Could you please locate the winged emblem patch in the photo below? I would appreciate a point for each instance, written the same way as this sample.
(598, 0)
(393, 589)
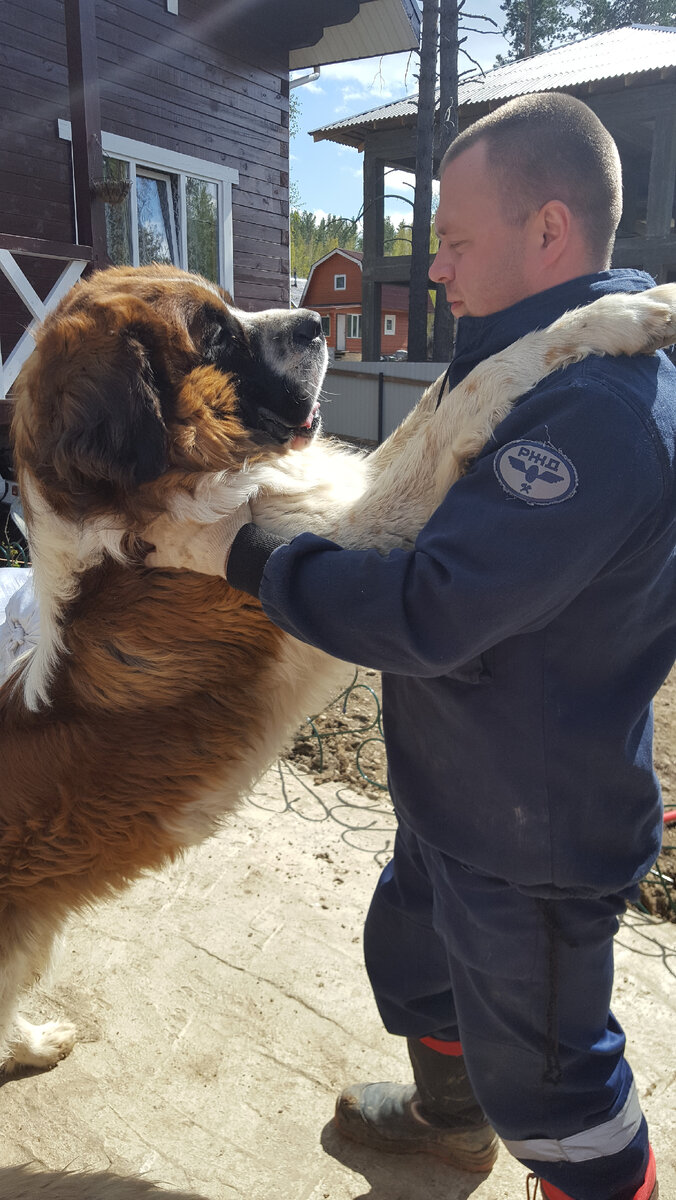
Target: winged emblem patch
(535, 472)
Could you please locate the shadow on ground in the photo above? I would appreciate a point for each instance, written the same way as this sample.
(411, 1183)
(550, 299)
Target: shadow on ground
(398, 1177)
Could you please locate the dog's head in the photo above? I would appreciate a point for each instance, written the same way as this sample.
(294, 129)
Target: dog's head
(143, 373)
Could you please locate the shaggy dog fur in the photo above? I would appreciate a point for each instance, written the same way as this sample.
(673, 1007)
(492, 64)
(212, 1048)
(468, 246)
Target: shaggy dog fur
(156, 698)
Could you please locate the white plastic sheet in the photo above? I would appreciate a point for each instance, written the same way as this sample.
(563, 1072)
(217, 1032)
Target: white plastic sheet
(19, 618)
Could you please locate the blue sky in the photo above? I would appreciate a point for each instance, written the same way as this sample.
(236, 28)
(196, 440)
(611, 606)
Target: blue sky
(329, 176)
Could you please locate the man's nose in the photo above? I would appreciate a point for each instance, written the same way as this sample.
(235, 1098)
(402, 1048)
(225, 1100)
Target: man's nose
(440, 270)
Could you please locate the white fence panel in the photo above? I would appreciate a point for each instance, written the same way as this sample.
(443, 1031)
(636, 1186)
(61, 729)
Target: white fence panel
(366, 401)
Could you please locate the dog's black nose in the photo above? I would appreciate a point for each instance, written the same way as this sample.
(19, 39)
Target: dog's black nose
(308, 326)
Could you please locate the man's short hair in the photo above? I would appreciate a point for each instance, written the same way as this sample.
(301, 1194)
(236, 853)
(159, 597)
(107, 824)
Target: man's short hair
(550, 146)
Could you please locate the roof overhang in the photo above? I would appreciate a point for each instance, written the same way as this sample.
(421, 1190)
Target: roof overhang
(633, 56)
(356, 29)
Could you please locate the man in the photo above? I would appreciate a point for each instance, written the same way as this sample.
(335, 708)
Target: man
(521, 641)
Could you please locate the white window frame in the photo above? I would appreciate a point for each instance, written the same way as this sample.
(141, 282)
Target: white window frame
(339, 287)
(390, 326)
(351, 318)
(150, 158)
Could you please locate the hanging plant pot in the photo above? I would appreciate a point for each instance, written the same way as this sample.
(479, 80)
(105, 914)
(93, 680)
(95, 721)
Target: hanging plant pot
(112, 191)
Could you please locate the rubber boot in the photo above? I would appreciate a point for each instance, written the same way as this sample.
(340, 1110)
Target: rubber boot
(437, 1115)
(649, 1189)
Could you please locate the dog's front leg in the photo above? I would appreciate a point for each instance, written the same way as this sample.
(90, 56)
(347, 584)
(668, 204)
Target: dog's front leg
(620, 324)
(411, 475)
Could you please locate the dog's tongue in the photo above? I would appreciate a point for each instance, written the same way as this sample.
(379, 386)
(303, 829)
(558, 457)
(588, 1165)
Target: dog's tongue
(315, 409)
(301, 441)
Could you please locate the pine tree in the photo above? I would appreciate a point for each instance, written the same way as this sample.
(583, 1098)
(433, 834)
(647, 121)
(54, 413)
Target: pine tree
(310, 239)
(595, 16)
(532, 26)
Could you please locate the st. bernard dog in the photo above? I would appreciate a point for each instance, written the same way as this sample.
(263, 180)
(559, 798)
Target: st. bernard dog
(155, 698)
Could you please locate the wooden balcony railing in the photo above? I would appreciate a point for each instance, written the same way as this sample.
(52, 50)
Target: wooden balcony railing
(75, 259)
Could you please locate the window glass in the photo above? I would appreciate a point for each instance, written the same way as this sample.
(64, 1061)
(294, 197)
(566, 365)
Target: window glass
(178, 217)
(326, 326)
(202, 227)
(156, 231)
(118, 211)
(339, 283)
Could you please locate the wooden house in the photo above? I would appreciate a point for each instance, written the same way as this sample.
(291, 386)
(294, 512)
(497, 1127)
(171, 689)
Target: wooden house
(140, 130)
(628, 78)
(334, 290)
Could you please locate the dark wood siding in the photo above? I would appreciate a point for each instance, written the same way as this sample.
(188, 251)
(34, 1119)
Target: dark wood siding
(36, 191)
(168, 80)
(171, 81)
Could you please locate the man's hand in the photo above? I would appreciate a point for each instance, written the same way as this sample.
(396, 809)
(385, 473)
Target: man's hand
(193, 547)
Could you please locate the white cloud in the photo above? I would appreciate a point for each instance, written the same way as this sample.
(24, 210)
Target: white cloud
(403, 183)
(400, 181)
(313, 87)
(351, 97)
(320, 215)
(397, 217)
(392, 74)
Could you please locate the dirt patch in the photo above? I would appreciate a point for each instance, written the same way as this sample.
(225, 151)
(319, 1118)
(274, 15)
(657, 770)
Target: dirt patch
(345, 744)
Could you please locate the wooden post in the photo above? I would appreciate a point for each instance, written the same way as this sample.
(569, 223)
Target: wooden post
(373, 243)
(449, 45)
(661, 181)
(424, 164)
(85, 117)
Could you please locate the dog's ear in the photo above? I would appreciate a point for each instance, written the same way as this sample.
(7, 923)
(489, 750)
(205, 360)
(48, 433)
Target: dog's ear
(91, 400)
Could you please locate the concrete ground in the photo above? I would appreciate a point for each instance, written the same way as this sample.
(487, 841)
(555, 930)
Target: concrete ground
(223, 1003)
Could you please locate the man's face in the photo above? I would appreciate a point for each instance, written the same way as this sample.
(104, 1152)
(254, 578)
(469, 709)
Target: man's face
(482, 261)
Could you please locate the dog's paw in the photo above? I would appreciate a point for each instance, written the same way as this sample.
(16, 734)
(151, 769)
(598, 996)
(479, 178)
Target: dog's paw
(634, 324)
(659, 322)
(655, 324)
(41, 1046)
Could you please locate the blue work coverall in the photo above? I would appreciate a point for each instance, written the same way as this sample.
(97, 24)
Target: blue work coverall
(521, 643)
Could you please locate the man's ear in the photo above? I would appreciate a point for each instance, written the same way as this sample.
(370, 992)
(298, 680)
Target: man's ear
(90, 403)
(555, 220)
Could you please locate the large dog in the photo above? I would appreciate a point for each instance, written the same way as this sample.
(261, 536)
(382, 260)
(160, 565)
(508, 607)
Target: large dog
(155, 698)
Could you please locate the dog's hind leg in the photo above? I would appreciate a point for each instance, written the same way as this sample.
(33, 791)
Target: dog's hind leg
(24, 955)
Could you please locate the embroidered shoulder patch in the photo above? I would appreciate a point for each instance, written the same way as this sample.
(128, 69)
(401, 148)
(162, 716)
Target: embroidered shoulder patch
(535, 472)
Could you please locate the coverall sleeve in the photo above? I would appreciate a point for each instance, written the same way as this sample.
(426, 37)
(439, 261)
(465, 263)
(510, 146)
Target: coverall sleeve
(488, 565)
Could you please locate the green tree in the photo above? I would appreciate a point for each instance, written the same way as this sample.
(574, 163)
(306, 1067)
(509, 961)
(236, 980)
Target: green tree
(595, 16)
(295, 200)
(532, 26)
(397, 239)
(311, 239)
(202, 227)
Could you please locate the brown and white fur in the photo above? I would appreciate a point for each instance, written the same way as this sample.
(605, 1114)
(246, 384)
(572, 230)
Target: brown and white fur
(155, 697)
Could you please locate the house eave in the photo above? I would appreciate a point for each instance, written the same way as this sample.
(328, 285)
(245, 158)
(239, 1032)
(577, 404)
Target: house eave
(377, 27)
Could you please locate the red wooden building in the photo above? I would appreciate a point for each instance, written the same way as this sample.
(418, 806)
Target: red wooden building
(334, 290)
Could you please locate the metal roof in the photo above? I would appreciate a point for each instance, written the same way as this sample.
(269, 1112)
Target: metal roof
(621, 53)
(379, 27)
